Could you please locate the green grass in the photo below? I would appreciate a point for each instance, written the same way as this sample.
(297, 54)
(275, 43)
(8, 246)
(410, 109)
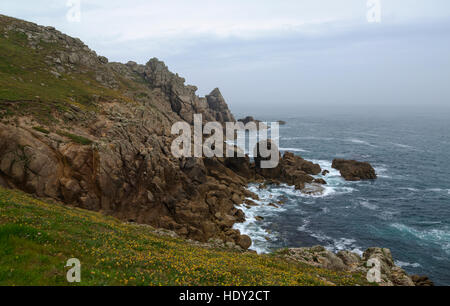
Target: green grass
(41, 129)
(38, 237)
(27, 85)
(75, 138)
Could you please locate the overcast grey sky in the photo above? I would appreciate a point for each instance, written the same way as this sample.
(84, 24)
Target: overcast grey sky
(287, 56)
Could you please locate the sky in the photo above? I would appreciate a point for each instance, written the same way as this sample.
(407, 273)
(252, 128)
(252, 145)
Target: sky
(276, 57)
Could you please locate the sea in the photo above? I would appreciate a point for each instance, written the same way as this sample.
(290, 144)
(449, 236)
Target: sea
(407, 209)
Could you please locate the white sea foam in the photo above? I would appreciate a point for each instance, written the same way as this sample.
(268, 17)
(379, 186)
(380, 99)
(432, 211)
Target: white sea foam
(402, 264)
(253, 228)
(409, 189)
(381, 171)
(328, 191)
(402, 146)
(326, 165)
(438, 190)
(387, 215)
(435, 190)
(359, 141)
(332, 244)
(303, 227)
(337, 244)
(293, 149)
(438, 236)
(368, 205)
(307, 138)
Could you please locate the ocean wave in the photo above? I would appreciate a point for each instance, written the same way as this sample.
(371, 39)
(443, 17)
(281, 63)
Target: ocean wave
(410, 189)
(434, 190)
(326, 165)
(437, 236)
(381, 171)
(303, 227)
(368, 205)
(338, 244)
(332, 244)
(402, 264)
(328, 191)
(359, 141)
(438, 190)
(307, 138)
(387, 215)
(293, 149)
(403, 146)
(254, 228)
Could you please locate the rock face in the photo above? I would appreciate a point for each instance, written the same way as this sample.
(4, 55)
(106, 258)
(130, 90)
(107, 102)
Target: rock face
(182, 98)
(111, 152)
(318, 256)
(292, 170)
(353, 170)
(113, 155)
(422, 281)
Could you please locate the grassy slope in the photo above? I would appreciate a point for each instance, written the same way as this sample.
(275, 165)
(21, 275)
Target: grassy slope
(25, 79)
(37, 238)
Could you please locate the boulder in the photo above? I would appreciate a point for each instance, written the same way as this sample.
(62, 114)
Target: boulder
(244, 242)
(422, 281)
(320, 181)
(353, 170)
(313, 189)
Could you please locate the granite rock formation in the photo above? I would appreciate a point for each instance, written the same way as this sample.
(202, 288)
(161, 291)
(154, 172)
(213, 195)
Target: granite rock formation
(108, 148)
(390, 274)
(353, 170)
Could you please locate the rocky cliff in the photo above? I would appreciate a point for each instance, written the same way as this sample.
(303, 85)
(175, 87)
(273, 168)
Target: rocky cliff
(76, 128)
(96, 135)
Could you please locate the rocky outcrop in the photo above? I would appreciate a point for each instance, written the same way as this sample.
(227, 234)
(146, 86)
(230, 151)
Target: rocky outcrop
(112, 153)
(318, 256)
(249, 119)
(422, 281)
(353, 170)
(182, 98)
(292, 170)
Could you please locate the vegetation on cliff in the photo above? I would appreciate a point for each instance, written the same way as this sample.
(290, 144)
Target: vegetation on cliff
(37, 238)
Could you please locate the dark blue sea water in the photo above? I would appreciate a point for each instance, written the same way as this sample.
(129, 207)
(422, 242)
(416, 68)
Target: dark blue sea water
(407, 209)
